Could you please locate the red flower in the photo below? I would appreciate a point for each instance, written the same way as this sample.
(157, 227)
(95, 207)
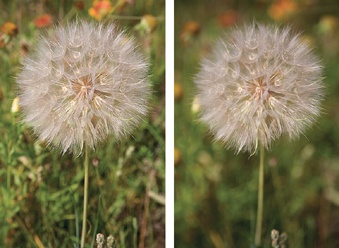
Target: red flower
(43, 21)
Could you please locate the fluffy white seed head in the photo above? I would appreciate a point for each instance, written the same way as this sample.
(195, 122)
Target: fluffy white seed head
(81, 83)
(259, 83)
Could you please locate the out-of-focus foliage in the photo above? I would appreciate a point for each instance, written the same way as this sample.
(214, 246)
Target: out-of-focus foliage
(216, 190)
(40, 191)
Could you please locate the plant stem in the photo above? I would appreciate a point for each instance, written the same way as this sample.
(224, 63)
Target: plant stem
(8, 177)
(84, 216)
(260, 198)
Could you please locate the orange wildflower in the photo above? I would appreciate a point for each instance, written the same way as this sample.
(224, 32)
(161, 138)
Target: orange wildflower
(9, 28)
(189, 30)
(7, 31)
(100, 9)
(43, 21)
(228, 18)
(280, 9)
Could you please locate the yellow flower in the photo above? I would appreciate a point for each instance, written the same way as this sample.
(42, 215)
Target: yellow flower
(15, 105)
(9, 28)
(177, 156)
(178, 92)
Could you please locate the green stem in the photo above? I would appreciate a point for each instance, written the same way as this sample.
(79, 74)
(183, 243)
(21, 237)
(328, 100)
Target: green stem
(11, 147)
(121, 17)
(84, 216)
(8, 177)
(260, 198)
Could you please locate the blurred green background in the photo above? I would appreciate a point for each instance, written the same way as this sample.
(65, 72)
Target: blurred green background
(216, 190)
(41, 191)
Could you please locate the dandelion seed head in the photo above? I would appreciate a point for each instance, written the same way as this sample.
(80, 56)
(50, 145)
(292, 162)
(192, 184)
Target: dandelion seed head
(259, 83)
(83, 82)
